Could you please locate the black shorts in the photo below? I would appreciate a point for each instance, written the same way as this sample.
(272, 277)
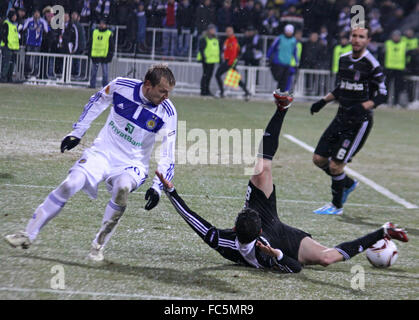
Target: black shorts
(279, 235)
(341, 141)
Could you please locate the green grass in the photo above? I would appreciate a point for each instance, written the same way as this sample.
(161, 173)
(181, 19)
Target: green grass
(155, 254)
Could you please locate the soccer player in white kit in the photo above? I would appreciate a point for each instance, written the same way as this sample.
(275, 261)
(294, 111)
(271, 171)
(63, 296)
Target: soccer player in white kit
(119, 155)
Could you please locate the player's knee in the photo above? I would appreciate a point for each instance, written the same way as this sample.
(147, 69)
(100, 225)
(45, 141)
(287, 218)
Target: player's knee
(121, 194)
(319, 160)
(70, 186)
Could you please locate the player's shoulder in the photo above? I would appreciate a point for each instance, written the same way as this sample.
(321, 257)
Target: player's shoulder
(369, 57)
(126, 82)
(346, 55)
(169, 108)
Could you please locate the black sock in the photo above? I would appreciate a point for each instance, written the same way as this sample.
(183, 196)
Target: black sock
(338, 185)
(352, 248)
(348, 182)
(269, 143)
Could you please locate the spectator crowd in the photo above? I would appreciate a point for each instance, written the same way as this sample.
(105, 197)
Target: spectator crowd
(320, 26)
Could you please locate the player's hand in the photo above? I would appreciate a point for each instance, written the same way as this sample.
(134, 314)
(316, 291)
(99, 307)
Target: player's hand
(166, 183)
(267, 249)
(283, 100)
(69, 142)
(153, 198)
(317, 106)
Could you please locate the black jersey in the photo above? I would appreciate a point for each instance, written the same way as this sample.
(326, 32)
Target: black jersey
(359, 80)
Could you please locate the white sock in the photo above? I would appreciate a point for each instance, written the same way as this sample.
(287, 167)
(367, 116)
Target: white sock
(51, 206)
(113, 213)
(54, 202)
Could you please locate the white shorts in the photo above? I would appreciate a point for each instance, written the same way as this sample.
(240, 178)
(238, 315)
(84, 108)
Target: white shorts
(98, 167)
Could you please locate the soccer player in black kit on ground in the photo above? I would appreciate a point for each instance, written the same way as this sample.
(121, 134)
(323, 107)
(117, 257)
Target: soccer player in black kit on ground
(259, 239)
(360, 89)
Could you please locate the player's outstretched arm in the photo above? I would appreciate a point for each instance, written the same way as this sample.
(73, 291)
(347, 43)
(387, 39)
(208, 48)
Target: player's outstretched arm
(202, 227)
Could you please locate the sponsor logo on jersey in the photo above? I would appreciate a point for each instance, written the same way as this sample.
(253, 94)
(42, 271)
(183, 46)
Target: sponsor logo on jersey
(124, 136)
(129, 128)
(353, 86)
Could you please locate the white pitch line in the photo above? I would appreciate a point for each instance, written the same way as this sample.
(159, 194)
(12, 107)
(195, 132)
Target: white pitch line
(380, 189)
(218, 197)
(89, 293)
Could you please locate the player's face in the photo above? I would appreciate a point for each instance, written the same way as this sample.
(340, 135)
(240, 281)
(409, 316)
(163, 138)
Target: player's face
(159, 92)
(359, 39)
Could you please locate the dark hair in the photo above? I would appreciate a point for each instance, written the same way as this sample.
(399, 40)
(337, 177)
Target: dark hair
(366, 27)
(248, 225)
(158, 71)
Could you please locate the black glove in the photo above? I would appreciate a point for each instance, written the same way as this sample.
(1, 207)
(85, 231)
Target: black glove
(316, 107)
(69, 142)
(153, 198)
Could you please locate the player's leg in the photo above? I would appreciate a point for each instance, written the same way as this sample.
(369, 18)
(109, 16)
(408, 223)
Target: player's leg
(262, 177)
(122, 185)
(223, 67)
(312, 252)
(50, 208)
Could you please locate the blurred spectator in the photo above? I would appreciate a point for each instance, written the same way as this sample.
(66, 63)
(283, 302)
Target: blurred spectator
(341, 48)
(185, 26)
(231, 51)
(101, 48)
(257, 16)
(395, 64)
(50, 45)
(271, 23)
(410, 39)
(155, 13)
(344, 20)
(280, 54)
(251, 47)
(141, 28)
(313, 52)
(20, 22)
(295, 62)
(225, 15)
(243, 16)
(85, 8)
(205, 15)
(393, 22)
(375, 26)
(292, 17)
(81, 43)
(103, 10)
(81, 40)
(169, 24)
(324, 36)
(208, 55)
(412, 70)
(68, 41)
(35, 27)
(126, 15)
(9, 39)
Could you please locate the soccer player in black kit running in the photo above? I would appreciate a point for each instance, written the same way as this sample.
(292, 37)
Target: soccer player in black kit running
(259, 239)
(360, 89)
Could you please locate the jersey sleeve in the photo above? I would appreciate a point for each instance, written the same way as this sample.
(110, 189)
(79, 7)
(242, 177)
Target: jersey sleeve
(378, 86)
(166, 164)
(96, 105)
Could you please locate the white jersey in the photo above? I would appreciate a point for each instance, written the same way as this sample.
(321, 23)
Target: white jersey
(132, 125)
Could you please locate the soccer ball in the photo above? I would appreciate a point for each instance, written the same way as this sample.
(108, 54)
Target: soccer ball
(382, 254)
